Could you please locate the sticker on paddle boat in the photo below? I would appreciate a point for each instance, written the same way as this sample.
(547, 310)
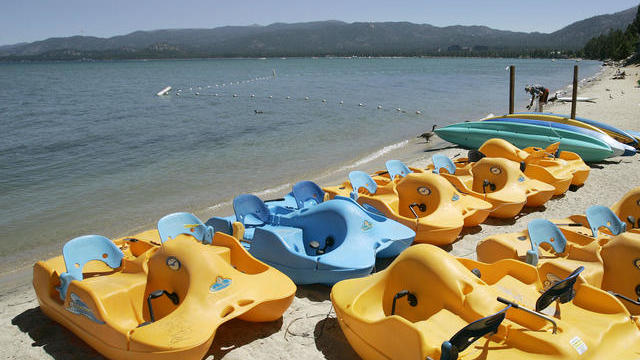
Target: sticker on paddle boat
(551, 280)
(579, 345)
(221, 283)
(78, 307)
(173, 263)
(455, 197)
(366, 225)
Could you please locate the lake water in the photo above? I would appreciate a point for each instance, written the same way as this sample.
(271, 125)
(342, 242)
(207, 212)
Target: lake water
(87, 147)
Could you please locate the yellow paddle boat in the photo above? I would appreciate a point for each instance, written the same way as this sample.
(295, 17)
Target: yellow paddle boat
(161, 294)
(558, 168)
(628, 209)
(424, 202)
(430, 305)
(611, 262)
(495, 180)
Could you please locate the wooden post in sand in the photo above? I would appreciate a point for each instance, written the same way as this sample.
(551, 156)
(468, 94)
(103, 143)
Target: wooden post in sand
(512, 85)
(574, 98)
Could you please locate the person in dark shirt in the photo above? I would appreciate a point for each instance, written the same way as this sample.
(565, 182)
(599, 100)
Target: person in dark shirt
(537, 92)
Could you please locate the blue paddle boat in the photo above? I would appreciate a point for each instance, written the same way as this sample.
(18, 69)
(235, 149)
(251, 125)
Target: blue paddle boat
(324, 243)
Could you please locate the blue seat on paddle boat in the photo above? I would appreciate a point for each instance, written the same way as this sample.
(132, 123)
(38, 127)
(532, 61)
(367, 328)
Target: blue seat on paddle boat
(324, 243)
(79, 251)
(397, 168)
(360, 179)
(172, 225)
(443, 162)
(599, 216)
(544, 231)
(304, 193)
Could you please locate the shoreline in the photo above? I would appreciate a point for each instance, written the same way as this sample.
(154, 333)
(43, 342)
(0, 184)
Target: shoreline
(309, 327)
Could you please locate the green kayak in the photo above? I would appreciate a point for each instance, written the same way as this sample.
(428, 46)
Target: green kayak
(474, 134)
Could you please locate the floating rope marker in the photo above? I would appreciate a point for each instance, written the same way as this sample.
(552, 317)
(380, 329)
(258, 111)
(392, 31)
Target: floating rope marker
(164, 91)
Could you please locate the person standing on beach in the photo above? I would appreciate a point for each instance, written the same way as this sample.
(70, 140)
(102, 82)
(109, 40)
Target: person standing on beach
(537, 92)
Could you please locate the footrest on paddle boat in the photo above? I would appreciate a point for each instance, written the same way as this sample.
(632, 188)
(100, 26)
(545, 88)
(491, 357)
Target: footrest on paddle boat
(498, 181)
(416, 308)
(161, 299)
(424, 202)
(324, 243)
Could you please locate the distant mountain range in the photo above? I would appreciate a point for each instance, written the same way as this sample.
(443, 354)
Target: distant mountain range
(317, 39)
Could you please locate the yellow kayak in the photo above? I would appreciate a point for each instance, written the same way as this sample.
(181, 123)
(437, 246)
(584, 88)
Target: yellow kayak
(160, 294)
(430, 305)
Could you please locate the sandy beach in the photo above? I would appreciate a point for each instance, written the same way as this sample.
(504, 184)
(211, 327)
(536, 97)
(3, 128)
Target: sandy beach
(309, 328)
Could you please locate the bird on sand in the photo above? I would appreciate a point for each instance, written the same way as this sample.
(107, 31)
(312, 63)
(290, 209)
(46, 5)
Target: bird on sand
(428, 134)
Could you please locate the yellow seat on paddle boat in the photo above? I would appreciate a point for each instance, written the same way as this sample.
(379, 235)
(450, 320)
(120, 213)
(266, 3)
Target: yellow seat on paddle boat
(628, 209)
(424, 202)
(430, 305)
(558, 168)
(497, 181)
(161, 294)
(556, 251)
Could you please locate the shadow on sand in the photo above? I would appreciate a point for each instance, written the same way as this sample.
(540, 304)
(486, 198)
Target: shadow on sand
(55, 339)
(331, 341)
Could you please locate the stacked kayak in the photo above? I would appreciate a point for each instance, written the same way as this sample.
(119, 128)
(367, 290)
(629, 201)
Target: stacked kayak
(474, 134)
(558, 168)
(622, 136)
(619, 149)
(428, 304)
(322, 243)
(424, 202)
(498, 181)
(161, 294)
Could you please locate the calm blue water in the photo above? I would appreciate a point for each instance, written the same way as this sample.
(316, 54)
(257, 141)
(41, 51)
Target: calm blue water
(89, 147)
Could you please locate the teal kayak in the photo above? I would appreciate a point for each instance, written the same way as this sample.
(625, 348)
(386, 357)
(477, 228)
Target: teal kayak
(474, 134)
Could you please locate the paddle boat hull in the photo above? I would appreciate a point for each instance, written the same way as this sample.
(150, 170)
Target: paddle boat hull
(116, 303)
(410, 309)
(323, 243)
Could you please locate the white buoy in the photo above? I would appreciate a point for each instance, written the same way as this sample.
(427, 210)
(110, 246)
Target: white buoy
(235, 95)
(288, 97)
(360, 104)
(164, 91)
(216, 94)
(306, 98)
(197, 93)
(379, 106)
(270, 96)
(398, 109)
(324, 100)
(341, 102)
(418, 112)
(252, 95)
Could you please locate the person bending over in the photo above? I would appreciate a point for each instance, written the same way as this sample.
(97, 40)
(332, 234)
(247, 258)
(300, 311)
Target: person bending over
(537, 92)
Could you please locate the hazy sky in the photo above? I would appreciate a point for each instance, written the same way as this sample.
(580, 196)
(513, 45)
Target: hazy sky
(31, 20)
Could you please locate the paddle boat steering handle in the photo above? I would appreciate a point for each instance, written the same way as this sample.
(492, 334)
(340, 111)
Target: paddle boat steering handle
(486, 183)
(635, 302)
(516, 306)
(156, 294)
(411, 298)
(421, 207)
